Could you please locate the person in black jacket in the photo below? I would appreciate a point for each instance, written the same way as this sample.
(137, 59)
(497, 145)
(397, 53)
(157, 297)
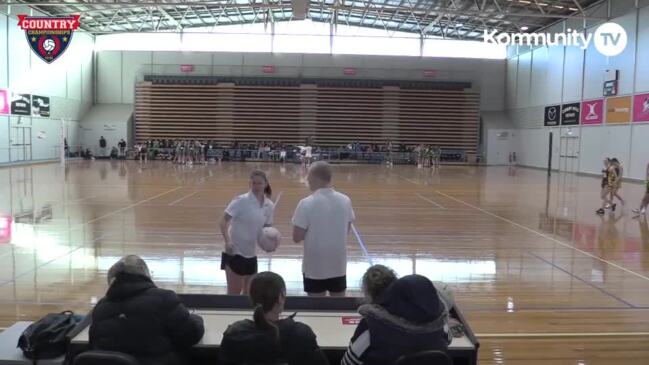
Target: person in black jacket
(137, 318)
(408, 317)
(268, 339)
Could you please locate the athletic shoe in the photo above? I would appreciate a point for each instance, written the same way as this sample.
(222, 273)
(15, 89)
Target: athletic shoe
(600, 211)
(636, 210)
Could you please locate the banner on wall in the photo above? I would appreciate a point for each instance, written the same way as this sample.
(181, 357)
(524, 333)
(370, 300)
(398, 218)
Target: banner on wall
(21, 104)
(618, 110)
(552, 115)
(641, 108)
(570, 114)
(4, 101)
(592, 112)
(40, 106)
(48, 37)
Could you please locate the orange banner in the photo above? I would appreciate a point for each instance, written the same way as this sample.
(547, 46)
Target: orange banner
(618, 110)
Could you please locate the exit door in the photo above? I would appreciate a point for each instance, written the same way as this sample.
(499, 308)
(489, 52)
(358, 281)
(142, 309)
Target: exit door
(20, 144)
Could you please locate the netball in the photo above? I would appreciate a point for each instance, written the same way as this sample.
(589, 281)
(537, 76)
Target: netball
(269, 239)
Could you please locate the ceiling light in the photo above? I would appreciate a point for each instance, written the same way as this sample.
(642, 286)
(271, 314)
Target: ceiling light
(525, 27)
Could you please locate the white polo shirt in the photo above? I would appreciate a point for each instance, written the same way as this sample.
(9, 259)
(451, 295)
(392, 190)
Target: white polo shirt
(325, 215)
(248, 218)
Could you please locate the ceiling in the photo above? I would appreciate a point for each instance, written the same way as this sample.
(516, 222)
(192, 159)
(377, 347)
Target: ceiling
(457, 19)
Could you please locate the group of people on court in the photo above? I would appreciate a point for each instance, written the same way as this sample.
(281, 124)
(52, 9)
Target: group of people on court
(612, 174)
(400, 316)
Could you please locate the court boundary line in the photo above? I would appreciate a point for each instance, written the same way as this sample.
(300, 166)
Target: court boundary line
(544, 236)
(128, 207)
(604, 291)
(430, 201)
(410, 181)
(181, 199)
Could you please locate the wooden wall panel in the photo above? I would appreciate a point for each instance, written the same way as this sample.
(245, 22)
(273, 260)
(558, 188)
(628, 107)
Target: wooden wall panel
(333, 116)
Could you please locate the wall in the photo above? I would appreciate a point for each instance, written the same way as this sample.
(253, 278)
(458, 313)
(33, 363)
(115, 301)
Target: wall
(548, 75)
(107, 120)
(67, 81)
(118, 71)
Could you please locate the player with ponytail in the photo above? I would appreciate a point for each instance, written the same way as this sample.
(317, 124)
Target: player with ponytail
(267, 339)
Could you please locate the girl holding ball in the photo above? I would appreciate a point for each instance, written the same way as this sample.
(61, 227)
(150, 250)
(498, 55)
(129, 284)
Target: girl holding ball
(242, 224)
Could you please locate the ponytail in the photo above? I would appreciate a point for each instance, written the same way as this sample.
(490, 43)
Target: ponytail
(268, 191)
(263, 323)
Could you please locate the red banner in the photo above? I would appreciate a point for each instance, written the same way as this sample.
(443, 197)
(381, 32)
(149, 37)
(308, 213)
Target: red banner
(430, 73)
(349, 71)
(48, 23)
(186, 68)
(4, 101)
(351, 320)
(269, 69)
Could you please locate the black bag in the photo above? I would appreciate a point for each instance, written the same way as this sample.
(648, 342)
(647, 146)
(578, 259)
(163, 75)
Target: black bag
(46, 338)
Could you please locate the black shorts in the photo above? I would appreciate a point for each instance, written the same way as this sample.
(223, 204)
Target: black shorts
(332, 285)
(238, 264)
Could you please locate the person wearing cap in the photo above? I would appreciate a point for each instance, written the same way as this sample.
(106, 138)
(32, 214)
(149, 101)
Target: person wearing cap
(139, 319)
(408, 317)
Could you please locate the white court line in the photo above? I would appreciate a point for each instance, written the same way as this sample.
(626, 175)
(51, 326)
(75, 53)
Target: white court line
(183, 198)
(567, 334)
(545, 236)
(82, 199)
(130, 206)
(430, 201)
(408, 180)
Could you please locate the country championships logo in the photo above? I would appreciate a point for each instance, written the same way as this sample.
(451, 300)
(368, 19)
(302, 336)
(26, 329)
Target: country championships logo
(610, 39)
(48, 37)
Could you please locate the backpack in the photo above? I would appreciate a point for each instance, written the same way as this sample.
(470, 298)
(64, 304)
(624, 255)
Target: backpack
(46, 338)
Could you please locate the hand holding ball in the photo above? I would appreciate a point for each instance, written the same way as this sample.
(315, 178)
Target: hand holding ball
(269, 239)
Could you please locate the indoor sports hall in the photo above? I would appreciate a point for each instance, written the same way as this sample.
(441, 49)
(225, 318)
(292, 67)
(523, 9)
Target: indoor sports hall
(488, 159)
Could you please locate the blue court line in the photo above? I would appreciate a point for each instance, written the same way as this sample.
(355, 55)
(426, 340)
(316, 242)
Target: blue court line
(583, 281)
(360, 242)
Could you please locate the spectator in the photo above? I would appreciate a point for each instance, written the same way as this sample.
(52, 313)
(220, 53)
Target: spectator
(102, 145)
(267, 339)
(408, 317)
(376, 280)
(137, 318)
(122, 147)
(322, 220)
(113, 152)
(242, 221)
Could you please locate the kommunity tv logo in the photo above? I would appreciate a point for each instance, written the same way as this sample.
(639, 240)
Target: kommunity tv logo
(610, 39)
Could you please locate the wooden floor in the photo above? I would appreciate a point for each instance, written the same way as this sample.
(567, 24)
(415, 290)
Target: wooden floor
(542, 279)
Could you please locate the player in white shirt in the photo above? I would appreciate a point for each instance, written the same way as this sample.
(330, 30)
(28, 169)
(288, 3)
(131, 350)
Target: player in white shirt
(322, 220)
(241, 226)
